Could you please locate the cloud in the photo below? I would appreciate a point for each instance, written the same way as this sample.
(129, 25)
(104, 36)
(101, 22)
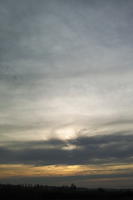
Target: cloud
(58, 54)
(66, 74)
(87, 150)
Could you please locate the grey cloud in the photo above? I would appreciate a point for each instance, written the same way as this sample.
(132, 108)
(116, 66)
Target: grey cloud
(99, 149)
(85, 181)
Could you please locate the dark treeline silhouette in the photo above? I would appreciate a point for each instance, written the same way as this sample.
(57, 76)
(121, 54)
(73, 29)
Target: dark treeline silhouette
(24, 192)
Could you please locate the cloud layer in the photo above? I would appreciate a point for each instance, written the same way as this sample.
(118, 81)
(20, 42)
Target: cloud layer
(66, 87)
(84, 150)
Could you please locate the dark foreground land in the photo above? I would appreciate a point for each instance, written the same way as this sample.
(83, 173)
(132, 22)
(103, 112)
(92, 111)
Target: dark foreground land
(69, 193)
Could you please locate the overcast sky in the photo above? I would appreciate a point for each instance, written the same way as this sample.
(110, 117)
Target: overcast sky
(66, 92)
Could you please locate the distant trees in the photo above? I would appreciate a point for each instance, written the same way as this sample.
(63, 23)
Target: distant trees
(73, 186)
(45, 192)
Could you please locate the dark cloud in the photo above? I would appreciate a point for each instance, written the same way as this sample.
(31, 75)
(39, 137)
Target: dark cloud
(88, 150)
(95, 181)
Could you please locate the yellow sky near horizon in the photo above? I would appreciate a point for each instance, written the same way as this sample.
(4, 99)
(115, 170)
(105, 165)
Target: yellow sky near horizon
(23, 170)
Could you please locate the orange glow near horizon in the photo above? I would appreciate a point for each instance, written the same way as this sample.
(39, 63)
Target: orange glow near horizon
(11, 170)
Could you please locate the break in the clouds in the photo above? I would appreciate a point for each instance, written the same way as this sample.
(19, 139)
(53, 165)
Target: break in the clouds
(66, 72)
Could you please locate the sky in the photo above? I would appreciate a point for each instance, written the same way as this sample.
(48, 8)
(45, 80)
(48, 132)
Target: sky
(66, 92)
